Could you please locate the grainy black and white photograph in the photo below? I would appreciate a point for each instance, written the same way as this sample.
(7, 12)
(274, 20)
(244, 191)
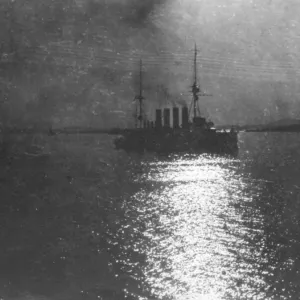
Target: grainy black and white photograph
(149, 150)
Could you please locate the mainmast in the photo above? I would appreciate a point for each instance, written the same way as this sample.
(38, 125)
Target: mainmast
(196, 88)
(140, 98)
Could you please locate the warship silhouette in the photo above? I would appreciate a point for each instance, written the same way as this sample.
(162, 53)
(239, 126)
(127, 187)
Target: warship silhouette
(195, 135)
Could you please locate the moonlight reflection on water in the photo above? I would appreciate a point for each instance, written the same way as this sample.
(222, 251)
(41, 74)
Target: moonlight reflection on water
(196, 238)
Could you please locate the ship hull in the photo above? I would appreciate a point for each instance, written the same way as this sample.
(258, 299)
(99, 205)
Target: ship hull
(179, 141)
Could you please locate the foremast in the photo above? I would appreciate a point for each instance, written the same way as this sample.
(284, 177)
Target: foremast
(195, 87)
(139, 101)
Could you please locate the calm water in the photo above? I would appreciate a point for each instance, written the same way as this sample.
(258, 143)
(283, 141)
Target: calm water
(179, 228)
(217, 228)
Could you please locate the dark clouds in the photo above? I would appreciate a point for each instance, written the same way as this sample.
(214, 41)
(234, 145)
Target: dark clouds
(135, 13)
(138, 13)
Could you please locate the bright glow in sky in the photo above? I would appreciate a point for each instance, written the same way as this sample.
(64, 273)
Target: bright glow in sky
(248, 53)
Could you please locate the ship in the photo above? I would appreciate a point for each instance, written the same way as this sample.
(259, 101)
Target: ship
(195, 134)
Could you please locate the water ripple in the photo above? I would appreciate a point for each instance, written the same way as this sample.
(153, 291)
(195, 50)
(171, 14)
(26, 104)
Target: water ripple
(198, 246)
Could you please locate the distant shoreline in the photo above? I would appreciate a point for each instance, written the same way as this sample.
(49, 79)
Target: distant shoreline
(119, 132)
(284, 125)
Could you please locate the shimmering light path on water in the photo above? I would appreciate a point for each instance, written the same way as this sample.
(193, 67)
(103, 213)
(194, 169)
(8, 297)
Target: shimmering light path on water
(198, 244)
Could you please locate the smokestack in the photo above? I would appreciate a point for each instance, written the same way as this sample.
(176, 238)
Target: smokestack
(158, 123)
(166, 117)
(175, 117)
(185, 117)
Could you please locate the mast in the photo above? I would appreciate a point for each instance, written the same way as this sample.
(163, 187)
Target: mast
(136, 114)
(195, 65)
(140, 98)
(195, 88)
(140, 95)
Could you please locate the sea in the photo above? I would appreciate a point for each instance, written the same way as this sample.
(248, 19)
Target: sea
(185, 228)
(219, 228)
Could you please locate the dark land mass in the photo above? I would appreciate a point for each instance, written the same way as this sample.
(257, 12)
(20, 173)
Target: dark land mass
(283, 125)
(279, 126)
